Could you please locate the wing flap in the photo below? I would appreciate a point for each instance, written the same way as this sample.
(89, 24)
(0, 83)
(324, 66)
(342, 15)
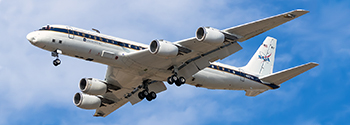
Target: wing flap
(253, 93)
(282, 76)
(106, 110)
(156, 86)
(254, 28)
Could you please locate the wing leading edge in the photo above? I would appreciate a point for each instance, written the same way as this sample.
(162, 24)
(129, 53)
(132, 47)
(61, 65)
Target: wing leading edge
(255, 28)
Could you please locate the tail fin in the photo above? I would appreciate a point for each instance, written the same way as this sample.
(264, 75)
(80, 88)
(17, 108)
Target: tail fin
(263, 60)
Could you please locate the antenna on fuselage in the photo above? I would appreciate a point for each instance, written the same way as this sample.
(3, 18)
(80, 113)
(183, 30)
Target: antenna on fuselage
(96, 30)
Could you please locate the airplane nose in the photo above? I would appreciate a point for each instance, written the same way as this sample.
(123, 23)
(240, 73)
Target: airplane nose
(31, 37)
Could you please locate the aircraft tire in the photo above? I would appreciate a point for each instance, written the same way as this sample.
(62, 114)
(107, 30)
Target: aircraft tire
(170, 80)
(56, 62)
(153, 95)
(182, 80)
(178, 83)
(141, 96)
(145, 93)
(174, 78)
(149, 98)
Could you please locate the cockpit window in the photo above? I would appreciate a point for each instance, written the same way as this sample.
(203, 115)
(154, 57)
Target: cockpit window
(46, 28)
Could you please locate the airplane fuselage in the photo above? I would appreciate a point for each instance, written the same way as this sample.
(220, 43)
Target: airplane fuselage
(111, 51)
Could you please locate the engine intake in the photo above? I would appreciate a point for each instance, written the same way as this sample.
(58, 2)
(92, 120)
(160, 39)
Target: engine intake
(85, 101)
(92, 86)
(163, 48)
(214, 36)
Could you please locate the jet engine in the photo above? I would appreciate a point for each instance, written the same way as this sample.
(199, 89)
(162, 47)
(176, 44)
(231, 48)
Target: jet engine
(163, 48)
(213, 36)
(85, 101)
(92, 86)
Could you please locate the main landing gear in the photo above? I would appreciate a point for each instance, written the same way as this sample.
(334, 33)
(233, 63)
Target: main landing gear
(177, 80)
(55, 53)
(145, 93)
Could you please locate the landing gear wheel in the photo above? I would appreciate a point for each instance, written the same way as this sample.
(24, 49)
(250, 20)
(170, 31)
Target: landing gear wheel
(170, 81)
(178, 83)
(149, 98)
(145, 93)
(141, 96)
(174, 78)
(182, 80)
(153, 95)
(56, 62)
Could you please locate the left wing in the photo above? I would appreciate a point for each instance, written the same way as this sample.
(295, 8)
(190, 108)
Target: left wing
(127, 82)
(195, 55)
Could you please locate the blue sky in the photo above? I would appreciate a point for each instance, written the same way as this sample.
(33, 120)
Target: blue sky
(33, 91)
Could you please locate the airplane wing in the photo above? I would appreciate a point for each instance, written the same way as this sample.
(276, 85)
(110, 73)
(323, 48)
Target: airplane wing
(127, 82)
(255, 28)
(198, 55)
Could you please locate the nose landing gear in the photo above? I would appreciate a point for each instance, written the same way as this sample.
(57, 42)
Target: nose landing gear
(56, 62)
(55, 53)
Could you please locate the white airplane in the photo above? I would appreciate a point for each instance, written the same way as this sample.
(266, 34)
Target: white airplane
(137, 71)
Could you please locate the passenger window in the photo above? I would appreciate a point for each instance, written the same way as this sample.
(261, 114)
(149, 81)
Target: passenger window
(104, 40)
(120, 44)
(53, 40)
(126, 45)
(76, 33)
(60, 41)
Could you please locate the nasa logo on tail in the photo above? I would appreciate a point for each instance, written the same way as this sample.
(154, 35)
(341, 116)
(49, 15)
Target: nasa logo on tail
(265, 58)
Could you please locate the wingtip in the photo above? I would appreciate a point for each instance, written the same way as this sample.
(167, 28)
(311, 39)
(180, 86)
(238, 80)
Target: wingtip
(314, 63)
(302, 10)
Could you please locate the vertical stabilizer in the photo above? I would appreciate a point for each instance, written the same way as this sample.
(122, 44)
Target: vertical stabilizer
(262, 61)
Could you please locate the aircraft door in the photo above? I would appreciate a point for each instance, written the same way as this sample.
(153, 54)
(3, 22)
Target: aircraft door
(70, 32)
(241, 72)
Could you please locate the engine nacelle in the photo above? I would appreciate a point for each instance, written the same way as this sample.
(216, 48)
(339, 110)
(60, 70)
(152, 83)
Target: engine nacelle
(163, 48)
(85, 101)
(213, 36)
(92, 86)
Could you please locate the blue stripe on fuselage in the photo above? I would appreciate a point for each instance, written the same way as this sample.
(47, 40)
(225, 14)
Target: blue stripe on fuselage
(97, 38)
(242, 74)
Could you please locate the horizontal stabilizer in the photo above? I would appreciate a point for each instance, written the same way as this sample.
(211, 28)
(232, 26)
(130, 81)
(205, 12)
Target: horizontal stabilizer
(282, 76)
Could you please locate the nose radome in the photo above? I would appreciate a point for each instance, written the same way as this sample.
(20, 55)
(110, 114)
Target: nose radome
(31, 37)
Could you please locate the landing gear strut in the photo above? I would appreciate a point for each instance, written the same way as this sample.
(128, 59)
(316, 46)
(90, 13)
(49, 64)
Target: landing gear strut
(55, 53)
